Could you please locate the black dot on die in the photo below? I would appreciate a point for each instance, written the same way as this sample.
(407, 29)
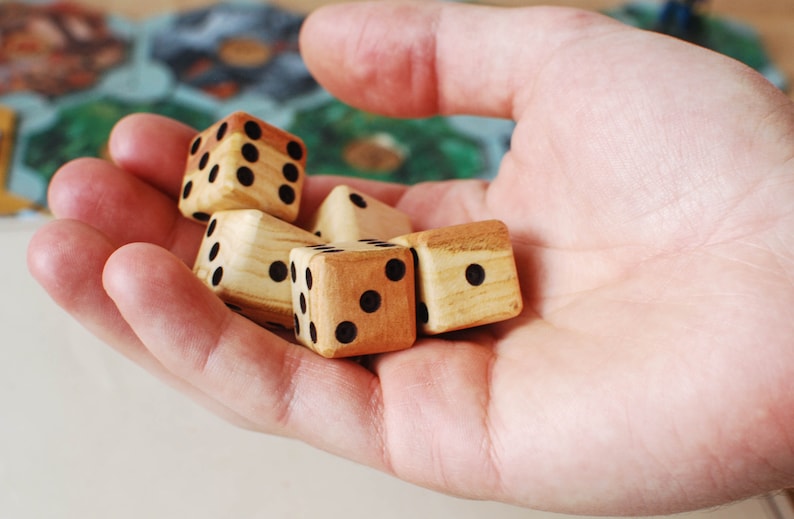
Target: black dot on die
(250, 153)
(234, 307)
(290, 172)
(313, 332)
(204, 160)
(278, 271)
(187, 189)
(302, 302)
(369, 301)
(309, 279)
(213, 173)
(475, 274)
(211, 227)
(318, 233)
(292, 272)
(196, 145)
(422, 314)
(295, 150)
(286, 194)
(217, 276)
(245, 176)
(346, 332)
(216, 247)
(253, 130)
(395, 269)
(358, 200)
(222, 131)
(297, 324)
(201, 217)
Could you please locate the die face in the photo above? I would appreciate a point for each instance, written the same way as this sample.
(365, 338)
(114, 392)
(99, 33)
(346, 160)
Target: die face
(241, 163)
(466, 276)
(353, 298)
(244, 259)
(347, 215)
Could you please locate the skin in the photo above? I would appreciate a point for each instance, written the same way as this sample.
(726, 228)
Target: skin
(649, 193)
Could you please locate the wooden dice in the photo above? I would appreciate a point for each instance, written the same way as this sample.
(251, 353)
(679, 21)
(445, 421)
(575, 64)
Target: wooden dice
(356, 280)
(244, 259)
(466, 276)
(347, 215)
(243, 163)
(353, 298)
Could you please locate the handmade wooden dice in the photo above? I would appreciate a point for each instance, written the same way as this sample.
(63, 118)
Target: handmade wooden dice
(466, 276)
(347, 215)
(243, 163)
(244, 259)
(353, 298)
(367, 291)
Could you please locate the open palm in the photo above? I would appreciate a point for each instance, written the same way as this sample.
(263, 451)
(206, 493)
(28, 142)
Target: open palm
(648, 191)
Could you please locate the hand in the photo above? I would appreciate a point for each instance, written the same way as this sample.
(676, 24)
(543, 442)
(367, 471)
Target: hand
(649, 194)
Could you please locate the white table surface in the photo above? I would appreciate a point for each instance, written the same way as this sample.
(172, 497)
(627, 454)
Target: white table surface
(86, 434)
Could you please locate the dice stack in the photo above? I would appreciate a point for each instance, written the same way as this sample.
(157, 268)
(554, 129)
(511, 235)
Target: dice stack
(356, 280)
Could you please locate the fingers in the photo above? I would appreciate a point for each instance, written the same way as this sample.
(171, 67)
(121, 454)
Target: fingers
(121, 206)
(283, 388)
(419, 59)
(67, 257)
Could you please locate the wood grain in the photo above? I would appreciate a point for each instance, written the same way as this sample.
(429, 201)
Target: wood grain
(353, 298)
(244, 259)
(346, 215)
(466, 276)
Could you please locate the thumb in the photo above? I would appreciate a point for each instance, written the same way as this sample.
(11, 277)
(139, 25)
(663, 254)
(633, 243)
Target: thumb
(421, 59)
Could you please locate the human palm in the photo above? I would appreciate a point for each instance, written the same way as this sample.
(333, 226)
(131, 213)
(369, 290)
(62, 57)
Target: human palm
(648, 193)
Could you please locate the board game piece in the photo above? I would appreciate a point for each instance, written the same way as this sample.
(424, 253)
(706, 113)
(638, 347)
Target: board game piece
(681, 18)
(466, 276)
(241, 162)
(9, 202)
(7, 132)
(243, 258)
(353, 298)
(347, 215)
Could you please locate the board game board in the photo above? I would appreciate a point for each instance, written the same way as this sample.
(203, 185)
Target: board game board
(68, 73)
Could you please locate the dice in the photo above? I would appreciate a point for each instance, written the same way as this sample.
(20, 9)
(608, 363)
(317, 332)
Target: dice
(356, 280)
(466, 276)
(353, 298)
(244, 259)
(243, 163)
(346, 215)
